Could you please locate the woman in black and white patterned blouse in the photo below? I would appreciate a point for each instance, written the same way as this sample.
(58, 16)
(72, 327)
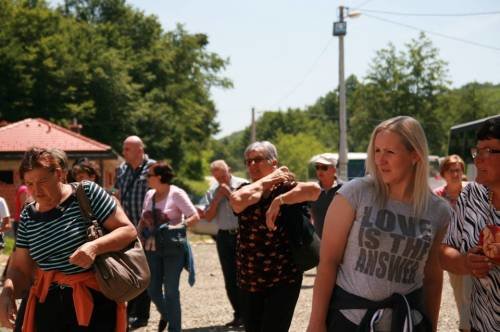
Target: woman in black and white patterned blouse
(477, 208)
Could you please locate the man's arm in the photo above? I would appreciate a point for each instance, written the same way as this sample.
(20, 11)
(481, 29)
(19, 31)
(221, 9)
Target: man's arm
(222, 191)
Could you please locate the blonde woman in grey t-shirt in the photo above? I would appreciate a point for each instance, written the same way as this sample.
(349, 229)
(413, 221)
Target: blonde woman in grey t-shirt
(379, 267)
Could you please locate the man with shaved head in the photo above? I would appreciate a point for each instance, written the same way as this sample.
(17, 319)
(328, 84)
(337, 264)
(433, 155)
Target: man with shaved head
(132, 185)
(217, 208)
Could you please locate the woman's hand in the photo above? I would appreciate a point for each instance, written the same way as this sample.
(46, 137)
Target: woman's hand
(494, 251)
(278, 176)
(476, 263)
(273, 212)
(85, 255)
(8, 309)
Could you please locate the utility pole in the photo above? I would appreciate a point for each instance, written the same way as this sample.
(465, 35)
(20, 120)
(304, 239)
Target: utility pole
(253, 136)
(340, 29)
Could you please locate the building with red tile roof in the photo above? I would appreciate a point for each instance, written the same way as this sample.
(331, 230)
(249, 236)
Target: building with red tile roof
(16, 138)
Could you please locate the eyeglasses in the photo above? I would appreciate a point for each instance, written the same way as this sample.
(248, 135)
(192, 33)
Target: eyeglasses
(255, 160)
(482, 152)
(321, 167)
(150, 175)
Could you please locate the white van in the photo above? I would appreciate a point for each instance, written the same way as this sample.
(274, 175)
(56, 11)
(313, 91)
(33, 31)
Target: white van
(355, 164)
(356, 167)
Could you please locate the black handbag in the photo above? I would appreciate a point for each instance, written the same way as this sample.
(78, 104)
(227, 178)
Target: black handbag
(121, 275)
(304, 242)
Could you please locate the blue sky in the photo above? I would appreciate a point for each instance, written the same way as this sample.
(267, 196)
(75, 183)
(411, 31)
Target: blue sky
(282, 53)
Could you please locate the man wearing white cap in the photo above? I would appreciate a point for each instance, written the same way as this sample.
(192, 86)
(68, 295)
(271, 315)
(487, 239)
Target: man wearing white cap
(326, 171)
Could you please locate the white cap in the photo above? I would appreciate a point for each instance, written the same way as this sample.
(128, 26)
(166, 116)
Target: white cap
(325, 159)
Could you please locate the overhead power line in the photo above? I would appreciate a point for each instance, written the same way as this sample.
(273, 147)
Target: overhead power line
(470, 42)
(361, 5)
(431, 14)
(309, 71)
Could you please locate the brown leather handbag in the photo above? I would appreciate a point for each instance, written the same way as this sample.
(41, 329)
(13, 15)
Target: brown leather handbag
(121, 275)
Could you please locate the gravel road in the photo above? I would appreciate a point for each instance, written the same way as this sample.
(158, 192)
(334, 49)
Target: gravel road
(205, 306)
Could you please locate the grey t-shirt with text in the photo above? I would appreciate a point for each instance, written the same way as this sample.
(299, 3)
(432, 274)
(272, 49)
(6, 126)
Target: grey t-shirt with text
(387, 247)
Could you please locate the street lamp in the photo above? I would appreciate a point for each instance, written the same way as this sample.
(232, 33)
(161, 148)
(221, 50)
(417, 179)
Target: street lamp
(340, 30)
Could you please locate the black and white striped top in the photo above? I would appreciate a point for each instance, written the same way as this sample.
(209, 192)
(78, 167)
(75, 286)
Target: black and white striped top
(472, 214)
(52, 236)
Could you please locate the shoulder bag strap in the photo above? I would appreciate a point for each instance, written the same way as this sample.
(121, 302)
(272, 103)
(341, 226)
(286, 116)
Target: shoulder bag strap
(153, 211)
(84, 203)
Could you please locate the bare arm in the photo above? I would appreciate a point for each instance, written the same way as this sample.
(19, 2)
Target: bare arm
(252, 193)
(302, 192)
(433, 281)
(222, 191)
(121, 233)
(338, 222)
(473, 262)
(19, 278)
(192, 219)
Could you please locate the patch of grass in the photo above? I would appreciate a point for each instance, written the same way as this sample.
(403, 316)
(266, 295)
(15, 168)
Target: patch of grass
(9, 244)
(196, 188)
(200, 238)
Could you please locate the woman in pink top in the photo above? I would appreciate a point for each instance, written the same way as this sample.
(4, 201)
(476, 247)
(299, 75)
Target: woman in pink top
(166, 211)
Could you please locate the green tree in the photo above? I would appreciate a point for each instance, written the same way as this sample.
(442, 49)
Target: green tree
(295, 151)
(405, 83)
(114, 69)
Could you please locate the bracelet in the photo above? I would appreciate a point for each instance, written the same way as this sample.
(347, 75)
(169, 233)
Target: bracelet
(281, 200)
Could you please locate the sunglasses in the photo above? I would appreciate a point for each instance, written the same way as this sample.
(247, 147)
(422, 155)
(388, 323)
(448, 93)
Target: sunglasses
(150, 175)
(321, 167)
(255, 160)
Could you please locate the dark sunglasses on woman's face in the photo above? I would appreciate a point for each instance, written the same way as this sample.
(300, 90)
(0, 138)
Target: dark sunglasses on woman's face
(150, 175)
(256, 160)
(322, 167)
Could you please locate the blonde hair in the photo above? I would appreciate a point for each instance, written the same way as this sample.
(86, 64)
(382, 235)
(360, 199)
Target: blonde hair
(413, 138)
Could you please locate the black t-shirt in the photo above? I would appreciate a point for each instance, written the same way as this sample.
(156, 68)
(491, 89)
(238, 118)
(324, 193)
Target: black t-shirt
(320, 206)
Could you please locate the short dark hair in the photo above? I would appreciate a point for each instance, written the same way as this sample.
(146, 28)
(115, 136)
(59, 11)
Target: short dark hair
(489, 130)
(164, 170)
(39, 158)
(84, 165)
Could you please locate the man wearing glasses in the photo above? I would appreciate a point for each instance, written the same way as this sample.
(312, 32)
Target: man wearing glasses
(326, 171)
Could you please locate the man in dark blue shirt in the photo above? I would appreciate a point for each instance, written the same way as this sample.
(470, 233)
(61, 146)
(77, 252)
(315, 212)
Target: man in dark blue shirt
(326, 171)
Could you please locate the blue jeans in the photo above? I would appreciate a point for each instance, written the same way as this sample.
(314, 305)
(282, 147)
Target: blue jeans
(164, 286)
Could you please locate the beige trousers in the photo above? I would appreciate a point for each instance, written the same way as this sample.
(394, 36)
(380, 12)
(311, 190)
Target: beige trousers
(462, 285)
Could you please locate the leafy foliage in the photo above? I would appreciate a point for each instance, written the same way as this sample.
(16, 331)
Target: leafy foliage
(412, 82)
(115, 70)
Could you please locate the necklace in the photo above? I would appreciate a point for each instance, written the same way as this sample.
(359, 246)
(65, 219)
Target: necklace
(493, 210)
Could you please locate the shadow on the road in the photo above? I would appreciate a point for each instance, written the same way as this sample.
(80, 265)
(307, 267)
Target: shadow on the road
(215, 328)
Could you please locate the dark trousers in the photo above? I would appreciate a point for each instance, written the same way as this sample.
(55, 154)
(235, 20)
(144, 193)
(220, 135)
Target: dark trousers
(139, 306)
(226, 248)
(57, 313)
(270, 310)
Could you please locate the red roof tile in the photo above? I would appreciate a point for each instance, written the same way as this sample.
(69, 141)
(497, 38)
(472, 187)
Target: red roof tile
(19, 136)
